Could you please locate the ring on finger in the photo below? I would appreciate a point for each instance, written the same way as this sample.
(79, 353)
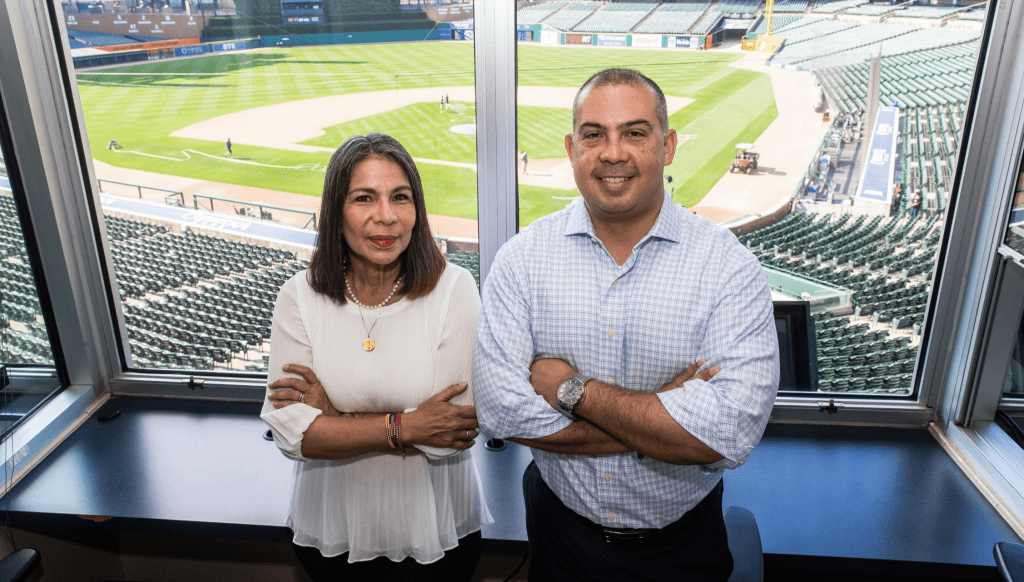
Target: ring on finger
(467, 434)
(302, 397)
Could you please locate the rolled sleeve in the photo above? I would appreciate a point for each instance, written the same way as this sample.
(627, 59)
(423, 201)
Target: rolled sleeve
(290, 345)
(729, 412)
(288, 425)
(506, 403)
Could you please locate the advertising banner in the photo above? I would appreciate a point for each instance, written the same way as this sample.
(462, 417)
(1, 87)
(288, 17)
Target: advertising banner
(684, 41)
(748, 44)
(579, 39)
(184, 51)
(610, 40)
(229, 46)
(647, 40)
(768, 44)
(738, 23)
(549, 36)
(881, 161)
(302, 19)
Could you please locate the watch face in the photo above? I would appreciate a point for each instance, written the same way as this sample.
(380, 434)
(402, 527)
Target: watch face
(570, 391)
(574, 391)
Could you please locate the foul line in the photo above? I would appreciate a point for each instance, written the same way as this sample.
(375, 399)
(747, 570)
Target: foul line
(314, 167)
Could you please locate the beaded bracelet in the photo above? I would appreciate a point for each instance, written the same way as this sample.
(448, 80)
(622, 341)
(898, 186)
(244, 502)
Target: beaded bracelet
(393, 429)
(398, 425)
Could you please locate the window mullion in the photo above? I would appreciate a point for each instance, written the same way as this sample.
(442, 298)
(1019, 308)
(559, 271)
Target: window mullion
(495, 46)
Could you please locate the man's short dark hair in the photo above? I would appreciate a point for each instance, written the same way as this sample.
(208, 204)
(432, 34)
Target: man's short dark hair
(422, 261)
(622, 77)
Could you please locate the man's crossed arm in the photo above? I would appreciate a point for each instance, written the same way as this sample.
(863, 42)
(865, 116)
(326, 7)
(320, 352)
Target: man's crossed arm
(616, 420)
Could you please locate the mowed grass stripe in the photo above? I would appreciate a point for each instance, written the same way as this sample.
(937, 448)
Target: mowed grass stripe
(542, 130)
(700, 183)
(407, 125)
(726, 109)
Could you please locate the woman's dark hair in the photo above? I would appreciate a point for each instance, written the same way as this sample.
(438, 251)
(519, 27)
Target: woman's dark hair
(422, 261)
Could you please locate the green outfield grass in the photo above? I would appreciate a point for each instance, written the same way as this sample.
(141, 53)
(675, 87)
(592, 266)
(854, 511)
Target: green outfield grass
(141, 105)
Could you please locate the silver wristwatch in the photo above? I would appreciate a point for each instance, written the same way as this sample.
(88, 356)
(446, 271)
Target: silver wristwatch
(570, 393)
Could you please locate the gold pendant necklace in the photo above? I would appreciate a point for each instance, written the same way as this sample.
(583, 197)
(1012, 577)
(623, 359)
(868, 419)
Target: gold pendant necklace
(368, 343)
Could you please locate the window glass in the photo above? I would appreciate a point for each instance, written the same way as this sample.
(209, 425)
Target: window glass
(831, 158)
(1014, 384)
(1015, 229)
(211, 125)
(27, 373)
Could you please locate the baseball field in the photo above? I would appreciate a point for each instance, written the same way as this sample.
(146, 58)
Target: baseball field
(286, 109)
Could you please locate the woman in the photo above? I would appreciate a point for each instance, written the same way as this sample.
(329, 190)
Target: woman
(380, 324)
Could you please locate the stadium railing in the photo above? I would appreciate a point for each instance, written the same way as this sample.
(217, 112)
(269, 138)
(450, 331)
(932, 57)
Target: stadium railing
(246, 203)
(140, 187)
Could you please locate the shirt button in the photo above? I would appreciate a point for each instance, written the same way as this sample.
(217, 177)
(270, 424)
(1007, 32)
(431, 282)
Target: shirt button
(611, 517)
(611, 333)
(607, 478)
(593, 240)
(610, 381)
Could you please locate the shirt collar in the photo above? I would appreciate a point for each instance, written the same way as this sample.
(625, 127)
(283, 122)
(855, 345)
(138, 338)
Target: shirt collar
(669, 225)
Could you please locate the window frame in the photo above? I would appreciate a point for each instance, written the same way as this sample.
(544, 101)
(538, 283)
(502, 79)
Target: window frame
(58, 234)
(981, 288)
(92, 321)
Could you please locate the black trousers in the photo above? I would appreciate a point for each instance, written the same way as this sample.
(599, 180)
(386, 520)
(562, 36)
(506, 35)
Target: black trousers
(458, 564)
(566, 546)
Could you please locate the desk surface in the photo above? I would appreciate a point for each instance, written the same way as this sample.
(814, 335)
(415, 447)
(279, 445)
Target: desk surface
(204, 468)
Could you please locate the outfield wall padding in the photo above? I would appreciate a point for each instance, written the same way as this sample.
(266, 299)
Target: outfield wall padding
(121, 58)
(351, 37)
(222, 32)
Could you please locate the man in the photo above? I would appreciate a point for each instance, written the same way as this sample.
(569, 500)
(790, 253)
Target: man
(915, 203)
(228, 154)
(599, 312)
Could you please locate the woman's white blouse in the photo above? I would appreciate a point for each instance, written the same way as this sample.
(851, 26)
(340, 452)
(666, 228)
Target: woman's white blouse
(378, 504)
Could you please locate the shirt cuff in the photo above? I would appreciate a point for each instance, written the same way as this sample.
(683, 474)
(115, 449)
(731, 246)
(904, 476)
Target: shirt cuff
(696, 407)
(288, 425)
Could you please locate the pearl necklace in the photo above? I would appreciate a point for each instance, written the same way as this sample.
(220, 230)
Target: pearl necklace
(369, 344)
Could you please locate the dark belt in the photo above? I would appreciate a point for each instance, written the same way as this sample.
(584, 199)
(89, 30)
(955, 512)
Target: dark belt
(631, 534)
